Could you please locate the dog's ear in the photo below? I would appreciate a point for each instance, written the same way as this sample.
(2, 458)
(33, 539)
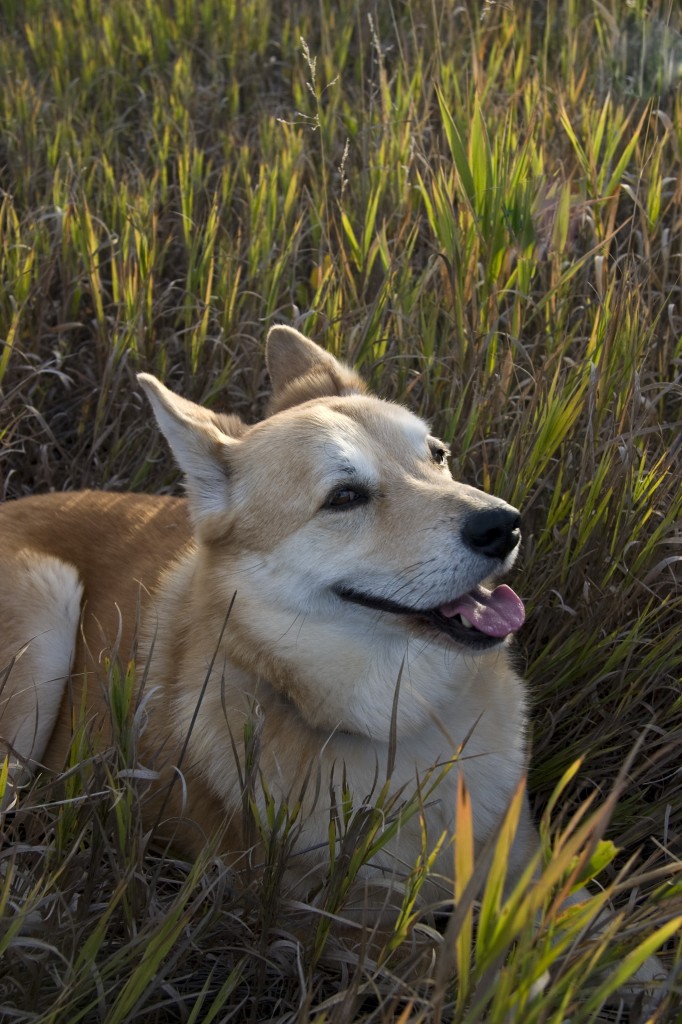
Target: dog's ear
(202, 442)
(300, 370)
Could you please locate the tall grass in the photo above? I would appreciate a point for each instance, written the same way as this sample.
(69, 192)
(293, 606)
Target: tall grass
(480, 206)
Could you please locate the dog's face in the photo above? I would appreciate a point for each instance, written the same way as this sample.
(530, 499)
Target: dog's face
(352, 551)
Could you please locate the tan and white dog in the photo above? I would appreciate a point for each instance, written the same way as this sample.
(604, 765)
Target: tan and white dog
(348, 559)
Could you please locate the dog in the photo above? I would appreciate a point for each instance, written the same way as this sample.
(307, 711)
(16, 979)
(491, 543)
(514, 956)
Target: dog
(325, 568)
(324, 573)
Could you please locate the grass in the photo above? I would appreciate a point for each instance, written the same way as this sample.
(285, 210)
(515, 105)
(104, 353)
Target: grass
(479, 206)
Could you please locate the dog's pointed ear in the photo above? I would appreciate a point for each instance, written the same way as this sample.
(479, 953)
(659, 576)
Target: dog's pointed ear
(300, 370)
(202, 442)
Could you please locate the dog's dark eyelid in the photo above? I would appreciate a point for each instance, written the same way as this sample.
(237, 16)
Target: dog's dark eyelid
(346, 497)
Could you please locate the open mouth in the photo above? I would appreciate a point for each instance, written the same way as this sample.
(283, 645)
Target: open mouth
(478, 619)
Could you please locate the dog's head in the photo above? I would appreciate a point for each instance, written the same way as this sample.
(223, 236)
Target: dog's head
(352, 551)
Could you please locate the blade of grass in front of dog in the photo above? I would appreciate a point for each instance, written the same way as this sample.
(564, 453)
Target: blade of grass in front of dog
(195, 714)
(156, 949)
(14, 925)
(508, 927)
(491, 901)
(4, 781)
(210, 1012)
(490, 986)
(464, 869)
(628, 967)
(393, 731)
(411, 907)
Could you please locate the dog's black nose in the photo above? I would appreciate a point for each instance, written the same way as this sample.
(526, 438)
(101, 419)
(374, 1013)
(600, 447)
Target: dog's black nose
(494, 532)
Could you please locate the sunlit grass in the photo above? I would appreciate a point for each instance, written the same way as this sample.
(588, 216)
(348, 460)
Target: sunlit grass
(477, 204)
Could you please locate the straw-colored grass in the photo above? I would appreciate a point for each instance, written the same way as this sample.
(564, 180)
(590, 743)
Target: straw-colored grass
(480, 205)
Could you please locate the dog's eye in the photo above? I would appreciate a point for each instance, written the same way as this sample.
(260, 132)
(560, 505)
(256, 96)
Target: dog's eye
(346, 497)
(439, 453)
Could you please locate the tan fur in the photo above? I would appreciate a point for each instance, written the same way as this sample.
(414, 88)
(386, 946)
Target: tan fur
(158, 576)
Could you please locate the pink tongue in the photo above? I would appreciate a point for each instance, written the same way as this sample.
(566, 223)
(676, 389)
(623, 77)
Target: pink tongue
(494, 612)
